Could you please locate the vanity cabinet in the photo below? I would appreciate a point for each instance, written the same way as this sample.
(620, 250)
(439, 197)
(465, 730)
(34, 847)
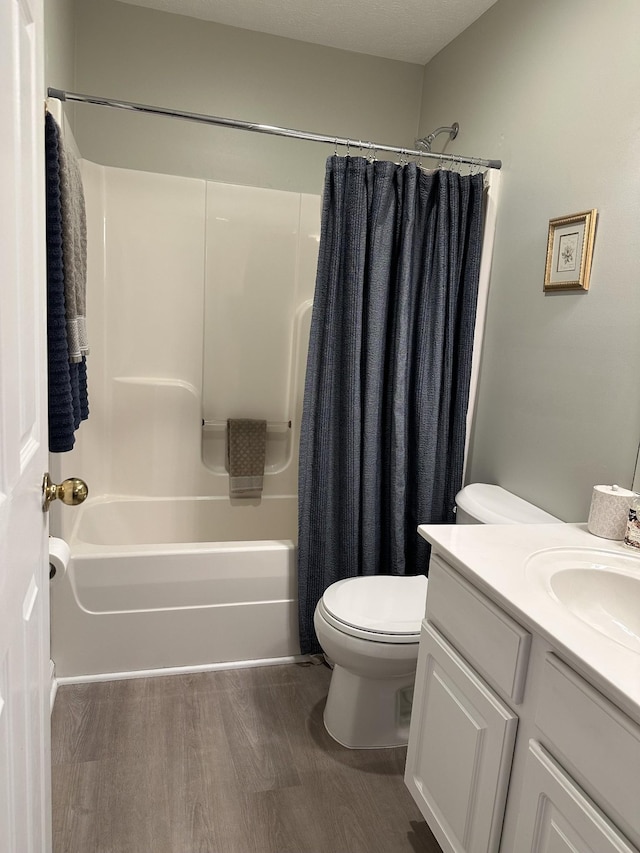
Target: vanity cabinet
(511, 750)
(557, 817)
(460, 752)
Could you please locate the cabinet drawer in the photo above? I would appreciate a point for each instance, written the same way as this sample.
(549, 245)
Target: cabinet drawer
(555, 816)
(595, 741)
(487, 637)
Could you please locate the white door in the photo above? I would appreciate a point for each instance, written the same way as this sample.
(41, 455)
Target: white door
(555, 816)
(24, 591)
(461, 744)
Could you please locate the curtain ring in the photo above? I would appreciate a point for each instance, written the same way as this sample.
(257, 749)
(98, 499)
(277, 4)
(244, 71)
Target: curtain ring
(335, 148)
(348, 154)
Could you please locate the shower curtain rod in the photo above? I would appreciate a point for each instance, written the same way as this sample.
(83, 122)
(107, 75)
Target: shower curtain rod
(62, 95)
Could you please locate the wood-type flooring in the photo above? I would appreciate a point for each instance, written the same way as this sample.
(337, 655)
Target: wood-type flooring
(234, 761)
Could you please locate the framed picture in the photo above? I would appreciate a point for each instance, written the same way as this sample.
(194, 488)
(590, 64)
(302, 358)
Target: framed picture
(569, 251)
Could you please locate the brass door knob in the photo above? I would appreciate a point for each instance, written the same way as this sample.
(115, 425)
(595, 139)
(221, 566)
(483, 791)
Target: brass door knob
(71, 492)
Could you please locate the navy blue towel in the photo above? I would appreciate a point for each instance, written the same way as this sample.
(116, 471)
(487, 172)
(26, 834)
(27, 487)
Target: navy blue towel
(68, 399)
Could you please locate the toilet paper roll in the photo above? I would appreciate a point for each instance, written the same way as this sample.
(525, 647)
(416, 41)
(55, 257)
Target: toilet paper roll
(609, 511)
(59, 555)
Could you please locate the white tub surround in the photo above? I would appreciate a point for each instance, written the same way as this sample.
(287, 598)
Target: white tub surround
(136, 524)
(199, 299)
(261, 255)
(525, 729)
(164, 583)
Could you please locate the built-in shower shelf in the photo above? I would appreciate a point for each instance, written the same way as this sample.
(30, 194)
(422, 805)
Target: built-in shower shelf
(278, 450)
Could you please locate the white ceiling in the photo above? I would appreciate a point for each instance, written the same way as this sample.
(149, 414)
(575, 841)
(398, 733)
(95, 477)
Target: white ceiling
(408, 30)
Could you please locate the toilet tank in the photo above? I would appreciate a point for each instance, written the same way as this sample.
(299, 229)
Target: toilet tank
(482, 503)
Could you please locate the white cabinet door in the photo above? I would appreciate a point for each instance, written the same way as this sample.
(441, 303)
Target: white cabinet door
(555, 816)
(461, 745)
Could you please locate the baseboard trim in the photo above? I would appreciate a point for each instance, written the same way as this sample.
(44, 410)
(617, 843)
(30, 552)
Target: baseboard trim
(179, 670)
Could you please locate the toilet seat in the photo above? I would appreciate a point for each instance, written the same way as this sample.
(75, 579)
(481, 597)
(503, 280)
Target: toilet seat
(379, 608)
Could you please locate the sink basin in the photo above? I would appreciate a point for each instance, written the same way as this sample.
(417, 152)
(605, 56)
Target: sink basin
(602, 588)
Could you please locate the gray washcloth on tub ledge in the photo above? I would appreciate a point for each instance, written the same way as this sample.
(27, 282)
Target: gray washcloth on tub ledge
(246, 450)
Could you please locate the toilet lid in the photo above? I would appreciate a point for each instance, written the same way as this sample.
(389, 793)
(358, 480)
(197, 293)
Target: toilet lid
(383, 604)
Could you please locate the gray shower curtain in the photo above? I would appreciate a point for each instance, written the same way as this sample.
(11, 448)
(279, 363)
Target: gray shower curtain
(387, 384)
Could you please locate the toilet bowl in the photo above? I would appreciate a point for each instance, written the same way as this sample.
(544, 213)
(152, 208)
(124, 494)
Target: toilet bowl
(370, 628)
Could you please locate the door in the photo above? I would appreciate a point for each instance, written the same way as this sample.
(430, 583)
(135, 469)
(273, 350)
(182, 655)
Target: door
(24, 590)
(461, 743)
(555, 816)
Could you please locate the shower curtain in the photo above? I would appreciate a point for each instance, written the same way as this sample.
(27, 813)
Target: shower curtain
(388, 370)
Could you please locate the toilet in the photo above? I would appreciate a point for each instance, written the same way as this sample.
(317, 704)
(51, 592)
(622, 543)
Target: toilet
(369, 627)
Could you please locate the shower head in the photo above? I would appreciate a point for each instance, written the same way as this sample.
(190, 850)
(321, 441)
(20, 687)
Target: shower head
(427, 141)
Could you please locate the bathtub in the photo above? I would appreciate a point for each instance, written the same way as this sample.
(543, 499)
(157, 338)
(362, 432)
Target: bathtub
(165, 583)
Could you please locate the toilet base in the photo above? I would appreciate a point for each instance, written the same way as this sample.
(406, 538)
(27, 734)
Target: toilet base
(368, 713)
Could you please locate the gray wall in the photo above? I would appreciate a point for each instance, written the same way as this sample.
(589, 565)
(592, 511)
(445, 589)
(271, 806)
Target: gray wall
(59, 31)
(141, 55)
(59, 48)
(552, 89)
(549, 87)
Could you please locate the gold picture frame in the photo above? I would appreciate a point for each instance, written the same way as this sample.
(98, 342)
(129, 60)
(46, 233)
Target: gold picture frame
(569, 251)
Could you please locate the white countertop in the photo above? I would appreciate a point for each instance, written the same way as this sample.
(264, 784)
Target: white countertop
(494, 558)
